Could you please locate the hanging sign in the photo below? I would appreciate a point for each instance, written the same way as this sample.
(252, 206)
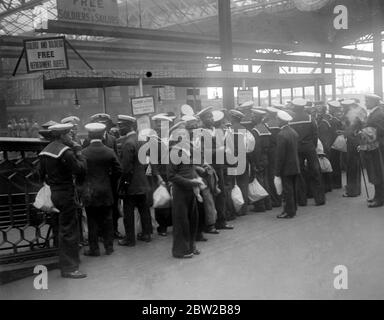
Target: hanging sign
(143, 105)
(103, 12)
(46, 54)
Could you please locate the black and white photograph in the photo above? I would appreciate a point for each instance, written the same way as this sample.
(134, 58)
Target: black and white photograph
(204, 152)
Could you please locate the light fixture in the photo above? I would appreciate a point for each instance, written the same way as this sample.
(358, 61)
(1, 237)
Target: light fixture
(76, 102)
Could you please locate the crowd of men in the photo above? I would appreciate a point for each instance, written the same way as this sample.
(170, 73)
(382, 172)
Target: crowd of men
(288, 143)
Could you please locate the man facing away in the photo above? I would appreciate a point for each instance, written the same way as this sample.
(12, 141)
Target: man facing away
(287, 164)
(103, 172)
(60, 161)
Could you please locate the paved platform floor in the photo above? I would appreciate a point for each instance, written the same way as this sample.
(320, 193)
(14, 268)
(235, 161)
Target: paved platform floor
(262, 258)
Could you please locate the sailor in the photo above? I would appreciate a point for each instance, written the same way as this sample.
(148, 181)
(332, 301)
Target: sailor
(245, 108)
(336, 128)
(307, 130)
(44, 132)
(103, 172)
(259, 157)
(60, 161)
(272, 123)
(75, 122)
(287, 164)
(374, 158)
(134, 185)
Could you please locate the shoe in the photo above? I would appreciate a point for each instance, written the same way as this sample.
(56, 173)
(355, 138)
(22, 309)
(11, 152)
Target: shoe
(90, 253)
(74, 275)
(144, 237)
(109, 251)
(375, 204)
(284, 215)
(186, 256)
(258, 209)
(225, 227)
(320, 204)
(201, 238)
(126, 243)
(276, 205)
(370, 200)
(196, 252)
(163, 234)
(118, 235)
(212, 231)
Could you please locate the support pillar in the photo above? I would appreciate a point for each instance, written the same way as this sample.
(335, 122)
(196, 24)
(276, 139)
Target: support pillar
(377, 63)
(323, 95)
(281, 96)
(269, 97)
(225, 31)
(333, 78)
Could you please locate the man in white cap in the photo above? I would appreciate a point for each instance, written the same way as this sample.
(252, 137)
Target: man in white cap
(60, 161)
(134, 185)
(335, 114)
(375, 158)
(307, 130)
(74, 121)
(287, 164)
(259, 157)
(272, 124)
(354, 117)
(103, 172)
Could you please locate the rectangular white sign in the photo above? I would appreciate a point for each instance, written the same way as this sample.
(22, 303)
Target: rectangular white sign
(46, 54)
(103, 12)
(143, 105)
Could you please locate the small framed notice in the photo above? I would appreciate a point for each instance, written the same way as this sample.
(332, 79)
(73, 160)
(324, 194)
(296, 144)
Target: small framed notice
(143, 105)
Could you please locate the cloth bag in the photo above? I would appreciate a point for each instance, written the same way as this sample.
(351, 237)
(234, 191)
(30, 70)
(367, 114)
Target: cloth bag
(237, 198)
(256, 191)
(43, 200)
(340, 144)
(161, 197)
(278, 185)
(325, 165)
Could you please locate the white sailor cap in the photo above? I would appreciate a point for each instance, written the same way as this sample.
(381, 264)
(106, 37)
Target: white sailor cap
(49, 123)
(70, 119)
(217, 115)
(99, 116)
(178, 125)
(259, 111)
(187, 110)
(61, 127)
(247, 104)
(334, 104)
(299, 102)
(95, 127)
(204, 111)
(236, 113)
(284, 116)
(125, 118)
(348, 102)
(188, 118)
(161, 117)
(278, 106)
(272, 110)
(372, 96)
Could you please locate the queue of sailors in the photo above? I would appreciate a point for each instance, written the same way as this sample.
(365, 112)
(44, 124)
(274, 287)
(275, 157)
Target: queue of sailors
(295, 152)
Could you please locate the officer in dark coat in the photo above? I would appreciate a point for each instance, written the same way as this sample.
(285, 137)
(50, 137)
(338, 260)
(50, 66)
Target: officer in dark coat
(287, 164)
(272, 124)
(306, 128)
(353, 117)
(184, 205)
(103, 172)
(134, 185)
(335, 114)
(259, 157)
(60, 161)
(374, 158)
(241, 179)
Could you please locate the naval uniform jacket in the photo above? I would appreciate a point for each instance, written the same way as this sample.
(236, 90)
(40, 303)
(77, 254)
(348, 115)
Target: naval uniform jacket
(326, 132)
(103, 170)
(59, 165)
(259, 155)
(287, 158)
(307, 130)
(108, 140)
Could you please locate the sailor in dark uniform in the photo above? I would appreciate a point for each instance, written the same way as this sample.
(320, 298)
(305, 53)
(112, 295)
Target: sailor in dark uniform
(163, 216)
(103, 172)
(272, 124)
(374, 158)
(45, 132)
(246, 109)
(75, 122)
(307, 130)
(60, 161)
(335, 114)
(134, 185)
(287, 164)
(354, 117)
(259, 157)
